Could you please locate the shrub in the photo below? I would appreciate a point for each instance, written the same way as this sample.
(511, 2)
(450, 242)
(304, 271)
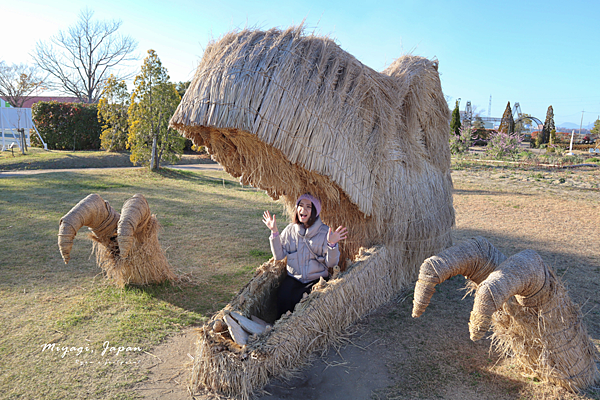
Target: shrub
(554, 148)
(526, 155)
(34, 139)
(538, 142)
(460, 143)
(67, 126)
(503, 145)
(572, 160)
(481, 136)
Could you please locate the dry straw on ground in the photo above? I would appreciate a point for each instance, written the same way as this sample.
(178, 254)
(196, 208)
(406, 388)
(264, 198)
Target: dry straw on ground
(530, 312)
(126, 245)
(292, 114)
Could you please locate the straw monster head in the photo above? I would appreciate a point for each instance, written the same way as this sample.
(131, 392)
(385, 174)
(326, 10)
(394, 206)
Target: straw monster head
(294, 114)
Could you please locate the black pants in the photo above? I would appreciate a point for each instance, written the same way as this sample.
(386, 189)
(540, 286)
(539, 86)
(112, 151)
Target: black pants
(290, 293)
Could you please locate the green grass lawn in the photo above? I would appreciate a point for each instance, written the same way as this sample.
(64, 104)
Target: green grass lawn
(36, 158)
(212, 234)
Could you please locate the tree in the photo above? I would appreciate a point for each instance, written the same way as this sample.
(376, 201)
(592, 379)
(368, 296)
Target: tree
(153, 102)
(455, 121)
(478, 123)
(596, 129)
(544, 136)
(182, 87)
(479, 131)
(522, 122)
(19, 82)
(85, 56)
(507, 124)
(112, 114)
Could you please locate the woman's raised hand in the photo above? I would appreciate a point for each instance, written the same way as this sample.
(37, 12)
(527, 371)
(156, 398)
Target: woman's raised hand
(269, 221)
(335, 236)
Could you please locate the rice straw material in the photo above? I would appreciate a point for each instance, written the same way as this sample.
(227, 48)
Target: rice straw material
(540, 327)
(134, 216)
(294, 114)
(522, 275)
(291, 114)
(532, 317)
(135, 229)
(475, 259)
(318, 320)
(92, 212)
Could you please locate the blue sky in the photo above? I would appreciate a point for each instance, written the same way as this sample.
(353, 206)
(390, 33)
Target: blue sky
(537, 53)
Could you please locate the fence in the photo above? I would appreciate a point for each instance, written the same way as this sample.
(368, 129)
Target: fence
(13, 119)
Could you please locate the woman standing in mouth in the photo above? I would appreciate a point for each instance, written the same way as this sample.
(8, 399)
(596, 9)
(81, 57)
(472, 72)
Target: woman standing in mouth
(311, 248)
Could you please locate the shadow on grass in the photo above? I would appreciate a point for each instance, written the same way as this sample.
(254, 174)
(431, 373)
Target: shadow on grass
(199, 177)
(37, 159)
(198, 297)
(190, 176)
(208, 296)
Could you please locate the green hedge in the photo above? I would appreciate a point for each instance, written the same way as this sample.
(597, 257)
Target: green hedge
(68, 126)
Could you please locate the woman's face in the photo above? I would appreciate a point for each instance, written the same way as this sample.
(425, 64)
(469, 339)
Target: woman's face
(304, 209)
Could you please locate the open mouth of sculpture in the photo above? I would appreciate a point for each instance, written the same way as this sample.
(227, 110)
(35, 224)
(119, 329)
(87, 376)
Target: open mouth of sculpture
(224, 358)
(265, 167)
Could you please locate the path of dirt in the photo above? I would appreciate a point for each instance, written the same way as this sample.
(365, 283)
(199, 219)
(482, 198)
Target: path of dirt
(26, 172)
(352, 370)
(393, 356)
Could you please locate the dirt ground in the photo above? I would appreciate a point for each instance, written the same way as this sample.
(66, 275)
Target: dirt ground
(390, 355)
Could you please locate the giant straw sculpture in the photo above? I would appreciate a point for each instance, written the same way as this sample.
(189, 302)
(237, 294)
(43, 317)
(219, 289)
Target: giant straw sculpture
(291, 113)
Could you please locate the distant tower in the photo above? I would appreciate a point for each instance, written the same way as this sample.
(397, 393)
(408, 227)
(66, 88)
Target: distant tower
(468, 113)
(517, 111)
(490, 107)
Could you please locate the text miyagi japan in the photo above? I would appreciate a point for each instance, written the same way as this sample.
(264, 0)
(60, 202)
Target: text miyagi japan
(108, 350)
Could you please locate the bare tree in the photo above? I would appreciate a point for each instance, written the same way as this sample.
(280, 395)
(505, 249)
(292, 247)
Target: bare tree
(19, 82)
(85, 56)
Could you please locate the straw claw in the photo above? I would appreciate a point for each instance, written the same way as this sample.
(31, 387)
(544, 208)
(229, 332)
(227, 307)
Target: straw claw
(126, 245)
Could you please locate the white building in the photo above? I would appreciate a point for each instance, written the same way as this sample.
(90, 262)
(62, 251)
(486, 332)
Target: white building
(12, 119)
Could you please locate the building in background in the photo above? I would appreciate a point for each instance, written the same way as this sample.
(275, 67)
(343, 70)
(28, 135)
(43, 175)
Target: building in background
(30, 102)
(12, 119)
